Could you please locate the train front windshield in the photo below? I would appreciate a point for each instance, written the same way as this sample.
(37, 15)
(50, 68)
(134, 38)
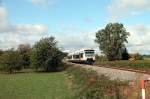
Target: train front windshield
(89, 53)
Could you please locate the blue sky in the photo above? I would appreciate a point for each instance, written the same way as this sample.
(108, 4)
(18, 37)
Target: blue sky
(73, 22)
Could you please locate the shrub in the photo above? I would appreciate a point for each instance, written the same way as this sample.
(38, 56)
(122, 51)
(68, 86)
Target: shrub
(25, 51)
(45, 55)
(11, 61)
(125, 54)
(101, 58)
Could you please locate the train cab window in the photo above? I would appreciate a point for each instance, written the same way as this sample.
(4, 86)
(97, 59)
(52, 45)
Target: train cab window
(89, 53)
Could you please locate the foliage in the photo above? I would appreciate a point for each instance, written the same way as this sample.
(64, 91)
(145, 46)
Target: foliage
(11, 61)
(138, 57)
(111, 40)
(1, 52)
(34, 86)
(25, 51)
(101, 58)
(46, 55)
(146, 56)
(125, 55)
(88, 85)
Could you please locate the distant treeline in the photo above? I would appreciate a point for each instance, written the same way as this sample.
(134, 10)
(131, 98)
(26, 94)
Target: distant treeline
(146, 56)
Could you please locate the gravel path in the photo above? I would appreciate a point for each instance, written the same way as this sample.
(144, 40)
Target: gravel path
(117, 74)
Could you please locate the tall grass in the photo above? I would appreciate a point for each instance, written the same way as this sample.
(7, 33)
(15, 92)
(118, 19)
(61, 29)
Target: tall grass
(86, 84)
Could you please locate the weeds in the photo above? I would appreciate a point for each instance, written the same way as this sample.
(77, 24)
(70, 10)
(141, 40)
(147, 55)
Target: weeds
(86, 84)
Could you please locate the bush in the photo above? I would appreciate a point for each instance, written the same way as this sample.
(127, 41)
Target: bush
(125, 54)
(11, 61)
(45, 55)
(88, 85)
(25, 51)
(138, 57)
(101, 58)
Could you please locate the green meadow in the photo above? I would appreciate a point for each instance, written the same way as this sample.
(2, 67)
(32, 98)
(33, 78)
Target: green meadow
(34, 86)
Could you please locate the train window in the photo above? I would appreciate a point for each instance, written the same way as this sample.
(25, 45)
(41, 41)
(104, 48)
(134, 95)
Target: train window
(69, 57)
(75, 56)
(89, 52)
(81, 55)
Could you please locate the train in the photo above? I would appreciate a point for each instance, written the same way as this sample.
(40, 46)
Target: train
(86, 56)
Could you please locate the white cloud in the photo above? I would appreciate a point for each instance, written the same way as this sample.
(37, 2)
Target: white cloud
(12, 35)
(124, 8)
(3, 13)
(31, 28)
(139, 38)
(77, 41)
(3, 19)
(43, 2)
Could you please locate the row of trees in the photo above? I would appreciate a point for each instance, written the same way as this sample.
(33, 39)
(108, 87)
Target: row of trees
(44, 55)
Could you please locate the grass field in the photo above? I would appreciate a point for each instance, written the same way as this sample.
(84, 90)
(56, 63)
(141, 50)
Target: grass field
(138, 64)
(34, 86)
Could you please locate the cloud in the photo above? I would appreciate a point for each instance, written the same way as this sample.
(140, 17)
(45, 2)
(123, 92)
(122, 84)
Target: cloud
(43, 2)
(125, 8)
(3, 19)
(12, 35)
(139, 38)
(3, 13)
(30, 28)
(77, 41)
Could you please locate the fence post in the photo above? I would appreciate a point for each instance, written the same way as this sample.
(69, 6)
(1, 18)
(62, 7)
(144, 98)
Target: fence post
(143, 88)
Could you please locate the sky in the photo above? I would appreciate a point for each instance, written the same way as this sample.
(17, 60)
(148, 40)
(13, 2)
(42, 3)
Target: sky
(73, 22)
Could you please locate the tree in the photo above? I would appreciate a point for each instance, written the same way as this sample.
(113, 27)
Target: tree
(1, 52)
(112, 40)
(138, 56)
(25, 51)
(46, 55)
(11, 61)
(125, 55)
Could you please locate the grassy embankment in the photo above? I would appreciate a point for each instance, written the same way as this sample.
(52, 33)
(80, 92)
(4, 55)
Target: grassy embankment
(34, 86)
(86, 84)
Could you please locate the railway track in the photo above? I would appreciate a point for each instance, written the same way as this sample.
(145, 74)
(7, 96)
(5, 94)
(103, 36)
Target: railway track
(121, 68)
(123, 74)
